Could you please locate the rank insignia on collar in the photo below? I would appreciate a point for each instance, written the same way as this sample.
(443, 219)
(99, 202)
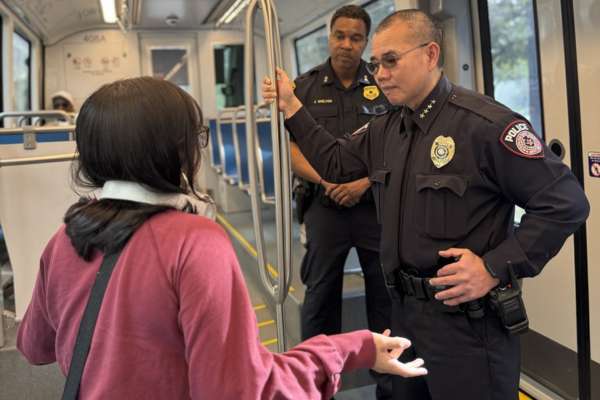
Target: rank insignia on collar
(371, 92)
(326, 79)
(519, 139)
(442, 151)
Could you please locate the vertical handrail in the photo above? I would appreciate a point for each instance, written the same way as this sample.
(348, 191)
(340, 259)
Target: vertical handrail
(285, 159)
(280, 163)
(251, 144)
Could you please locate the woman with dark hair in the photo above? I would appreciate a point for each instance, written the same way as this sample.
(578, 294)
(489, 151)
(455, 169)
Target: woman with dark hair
(176, 320)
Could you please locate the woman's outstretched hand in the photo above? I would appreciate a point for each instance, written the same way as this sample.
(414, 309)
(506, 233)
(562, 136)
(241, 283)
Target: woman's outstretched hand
(388, 349)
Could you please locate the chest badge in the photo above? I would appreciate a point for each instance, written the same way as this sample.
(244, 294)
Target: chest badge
(371, 92)
(442, 151)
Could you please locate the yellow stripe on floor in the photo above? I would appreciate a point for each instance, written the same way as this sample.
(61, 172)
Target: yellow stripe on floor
(523, 396)
(269, 342)
(249, 248)
(259, 307)
(266, 323)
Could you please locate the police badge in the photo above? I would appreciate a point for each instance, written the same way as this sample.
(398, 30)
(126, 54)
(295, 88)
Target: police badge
(442, 151)
(371, 92)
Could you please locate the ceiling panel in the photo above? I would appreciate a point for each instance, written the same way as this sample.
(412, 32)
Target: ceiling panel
(189, 13)
(53, 19)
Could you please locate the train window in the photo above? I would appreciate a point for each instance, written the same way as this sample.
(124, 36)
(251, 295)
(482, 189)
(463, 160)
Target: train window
(171, 64)
(22, 72)
(311, 49)
(515, 64)
(378, 10)
(229, 75)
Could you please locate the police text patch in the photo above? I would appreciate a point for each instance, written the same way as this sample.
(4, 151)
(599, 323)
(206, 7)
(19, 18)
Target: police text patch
(518, 137)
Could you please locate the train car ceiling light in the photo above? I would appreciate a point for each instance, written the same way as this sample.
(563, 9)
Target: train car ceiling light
(109, 11)
(232, 12)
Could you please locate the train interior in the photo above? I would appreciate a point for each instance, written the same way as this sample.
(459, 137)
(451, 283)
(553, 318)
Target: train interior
(540, 57)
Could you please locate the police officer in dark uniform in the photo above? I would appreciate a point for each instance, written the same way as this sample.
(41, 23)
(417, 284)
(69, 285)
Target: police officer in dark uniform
(342, 96)
(447, 169)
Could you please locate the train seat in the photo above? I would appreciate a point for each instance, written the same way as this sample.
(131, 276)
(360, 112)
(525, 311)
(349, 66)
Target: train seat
(213, 146)
(227, 151)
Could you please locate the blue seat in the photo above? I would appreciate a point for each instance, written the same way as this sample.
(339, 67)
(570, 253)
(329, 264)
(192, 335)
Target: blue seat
(266, 147)
(215, 155)
(240, 130)
(39, 137)
(227, 149)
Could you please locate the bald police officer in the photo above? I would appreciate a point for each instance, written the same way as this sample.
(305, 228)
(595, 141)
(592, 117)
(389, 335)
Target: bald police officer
(447, 169)
(341, 95)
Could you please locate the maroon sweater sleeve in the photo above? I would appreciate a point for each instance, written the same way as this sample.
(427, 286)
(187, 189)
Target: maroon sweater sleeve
(36, 336)
(223, 350)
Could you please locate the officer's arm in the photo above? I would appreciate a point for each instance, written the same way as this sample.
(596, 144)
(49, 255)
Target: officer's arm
(335, 160)
(554, 202)
(301, 166)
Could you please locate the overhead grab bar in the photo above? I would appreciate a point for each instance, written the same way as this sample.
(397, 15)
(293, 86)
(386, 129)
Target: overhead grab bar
(283, 220)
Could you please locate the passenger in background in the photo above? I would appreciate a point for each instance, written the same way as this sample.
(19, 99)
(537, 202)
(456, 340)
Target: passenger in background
(342, 96)
(63, 101)
(176, 320)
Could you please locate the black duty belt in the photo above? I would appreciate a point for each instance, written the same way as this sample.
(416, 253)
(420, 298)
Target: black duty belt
(420, 289)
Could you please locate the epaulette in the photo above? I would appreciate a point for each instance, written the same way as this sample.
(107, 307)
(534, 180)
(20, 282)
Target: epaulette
(309, 73)
(482, 105)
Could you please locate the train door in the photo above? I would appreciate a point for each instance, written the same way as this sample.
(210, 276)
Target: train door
(525, 66)
(587, 31)
(172, 57)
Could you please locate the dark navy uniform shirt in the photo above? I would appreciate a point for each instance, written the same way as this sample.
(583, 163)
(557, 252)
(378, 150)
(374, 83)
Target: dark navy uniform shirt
(488, 160)
(341, 110)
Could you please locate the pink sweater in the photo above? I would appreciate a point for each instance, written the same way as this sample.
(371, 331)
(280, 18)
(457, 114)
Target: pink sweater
(176, 323)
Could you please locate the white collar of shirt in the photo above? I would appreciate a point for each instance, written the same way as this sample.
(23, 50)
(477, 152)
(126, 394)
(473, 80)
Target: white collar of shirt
(132, 191)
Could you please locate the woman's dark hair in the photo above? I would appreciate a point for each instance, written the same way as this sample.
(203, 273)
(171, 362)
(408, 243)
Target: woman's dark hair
(354, 12)
(142, 130)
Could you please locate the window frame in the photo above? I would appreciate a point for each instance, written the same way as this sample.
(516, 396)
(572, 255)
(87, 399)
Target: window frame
(22, 35)
(487, 60)
(303, 36)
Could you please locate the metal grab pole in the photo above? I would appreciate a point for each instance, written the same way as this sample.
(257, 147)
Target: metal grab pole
(252, 147)
(285, 160)
(280, 161)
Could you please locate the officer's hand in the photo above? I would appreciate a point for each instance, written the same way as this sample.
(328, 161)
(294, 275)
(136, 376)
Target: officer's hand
(288, 102)
(329, 187)
(467, 276)
(387, 351)
(349, 194)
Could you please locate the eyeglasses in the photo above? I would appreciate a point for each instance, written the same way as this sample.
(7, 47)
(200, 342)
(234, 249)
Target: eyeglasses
(203, 135)
(389, 60)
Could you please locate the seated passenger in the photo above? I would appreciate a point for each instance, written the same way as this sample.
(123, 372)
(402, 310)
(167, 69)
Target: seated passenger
(63, 101)
(176, 320)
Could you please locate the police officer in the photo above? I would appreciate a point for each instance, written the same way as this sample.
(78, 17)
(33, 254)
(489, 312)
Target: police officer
(341, 96)
(447, 169)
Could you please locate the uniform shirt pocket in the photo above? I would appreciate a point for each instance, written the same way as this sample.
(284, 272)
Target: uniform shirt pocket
(441, 212)
(326, 115)
(379, 180)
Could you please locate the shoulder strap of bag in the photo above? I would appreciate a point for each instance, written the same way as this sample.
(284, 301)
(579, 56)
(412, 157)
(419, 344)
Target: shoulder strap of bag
(87, 326)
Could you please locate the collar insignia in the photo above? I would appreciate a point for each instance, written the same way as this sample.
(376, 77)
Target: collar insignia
(442, 150)
(426, 110)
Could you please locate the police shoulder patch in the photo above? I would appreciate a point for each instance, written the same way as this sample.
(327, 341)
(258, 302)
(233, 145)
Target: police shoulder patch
(519, 139)
(360, 130)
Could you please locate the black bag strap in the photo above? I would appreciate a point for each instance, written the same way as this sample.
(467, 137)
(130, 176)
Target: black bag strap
(87, 326)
